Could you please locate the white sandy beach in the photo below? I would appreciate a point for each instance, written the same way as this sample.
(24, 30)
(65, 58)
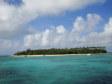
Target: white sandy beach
(50, 55)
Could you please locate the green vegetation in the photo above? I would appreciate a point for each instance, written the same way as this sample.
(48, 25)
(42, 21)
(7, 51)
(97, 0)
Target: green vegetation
(53, 51)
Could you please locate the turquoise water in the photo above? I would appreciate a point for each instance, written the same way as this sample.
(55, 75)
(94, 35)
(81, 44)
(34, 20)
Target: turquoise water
(95, 69)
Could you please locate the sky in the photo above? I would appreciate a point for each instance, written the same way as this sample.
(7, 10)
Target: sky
(43, 24)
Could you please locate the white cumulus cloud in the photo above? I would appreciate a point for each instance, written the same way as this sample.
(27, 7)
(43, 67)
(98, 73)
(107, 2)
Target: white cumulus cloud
(13, 18)
(60, 37)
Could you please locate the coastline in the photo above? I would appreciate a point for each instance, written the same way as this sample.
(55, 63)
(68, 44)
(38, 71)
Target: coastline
(51, 55)
(62, 52)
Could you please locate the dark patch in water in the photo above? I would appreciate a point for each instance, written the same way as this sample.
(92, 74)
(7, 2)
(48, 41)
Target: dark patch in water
(12, 76)
(103, 79)
(4, 73)
(94, 80)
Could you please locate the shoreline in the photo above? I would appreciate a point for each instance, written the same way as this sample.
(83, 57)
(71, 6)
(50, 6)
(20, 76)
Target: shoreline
(56, 55)
(50, 55)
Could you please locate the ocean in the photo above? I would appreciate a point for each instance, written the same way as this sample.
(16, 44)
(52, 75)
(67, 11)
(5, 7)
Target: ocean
(78, 69)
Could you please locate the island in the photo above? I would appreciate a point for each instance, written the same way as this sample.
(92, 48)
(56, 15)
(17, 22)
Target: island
(55, 51)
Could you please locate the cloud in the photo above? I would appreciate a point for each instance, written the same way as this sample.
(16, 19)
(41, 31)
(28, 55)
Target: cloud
(60, 29)
(56, 6)
(93, 20)
(99, 38)
(14, 18)
(87, 24)
(9, 46)
(46, 39)
(60, 37)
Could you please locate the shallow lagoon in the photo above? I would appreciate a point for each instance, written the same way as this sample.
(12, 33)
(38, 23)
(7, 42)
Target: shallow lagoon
(94, 69)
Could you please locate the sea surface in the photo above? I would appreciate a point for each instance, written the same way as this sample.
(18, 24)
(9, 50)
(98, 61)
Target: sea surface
(78, 69)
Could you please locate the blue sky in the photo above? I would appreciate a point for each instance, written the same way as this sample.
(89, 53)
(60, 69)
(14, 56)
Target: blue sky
(68, 17)
(39, 24)
(14, 2)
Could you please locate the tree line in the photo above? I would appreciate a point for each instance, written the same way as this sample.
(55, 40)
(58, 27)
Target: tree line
(53, 51)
